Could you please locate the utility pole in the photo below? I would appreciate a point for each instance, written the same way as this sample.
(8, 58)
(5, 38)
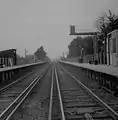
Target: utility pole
(25, 53)
(63, 54)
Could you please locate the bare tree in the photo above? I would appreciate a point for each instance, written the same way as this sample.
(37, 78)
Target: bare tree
(106, 24)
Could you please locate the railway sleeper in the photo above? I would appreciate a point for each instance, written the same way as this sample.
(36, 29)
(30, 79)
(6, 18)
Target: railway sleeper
(71, 105)
(72, 116)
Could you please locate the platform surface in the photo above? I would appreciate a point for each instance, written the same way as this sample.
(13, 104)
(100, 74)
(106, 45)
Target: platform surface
(108, 69)
(18, 66)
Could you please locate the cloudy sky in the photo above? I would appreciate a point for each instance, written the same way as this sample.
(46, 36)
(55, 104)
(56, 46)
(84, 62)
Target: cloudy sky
(32, 23)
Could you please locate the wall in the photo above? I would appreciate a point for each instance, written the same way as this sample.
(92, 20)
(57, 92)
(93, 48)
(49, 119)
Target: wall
(87, 58)
(74, 59)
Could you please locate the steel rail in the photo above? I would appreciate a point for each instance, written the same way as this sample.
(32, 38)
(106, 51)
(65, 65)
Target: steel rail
(30, 89)
(51, 97)
(59, 94)
(19, 100)
(113, 113)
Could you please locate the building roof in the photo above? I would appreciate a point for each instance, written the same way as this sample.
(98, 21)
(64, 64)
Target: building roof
(8, 53)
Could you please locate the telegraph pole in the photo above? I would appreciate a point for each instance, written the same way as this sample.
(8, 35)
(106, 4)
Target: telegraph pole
(26, 52)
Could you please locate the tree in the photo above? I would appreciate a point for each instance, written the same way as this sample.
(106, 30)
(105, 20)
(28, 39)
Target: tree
(89, 45)
(40, 53)
(106, 24)
(75, 47)
(111, 21)
(78, 43)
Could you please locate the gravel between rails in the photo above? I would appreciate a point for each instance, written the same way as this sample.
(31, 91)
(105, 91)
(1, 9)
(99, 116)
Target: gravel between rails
(36, 106)
(92, 85)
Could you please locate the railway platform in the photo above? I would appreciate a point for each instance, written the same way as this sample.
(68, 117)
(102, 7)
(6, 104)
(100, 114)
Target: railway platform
(107, 76)
(8, 72)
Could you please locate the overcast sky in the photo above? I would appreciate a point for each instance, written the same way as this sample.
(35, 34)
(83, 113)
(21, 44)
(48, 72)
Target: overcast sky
(32, 23)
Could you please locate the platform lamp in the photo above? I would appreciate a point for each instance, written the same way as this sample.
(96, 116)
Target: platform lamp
(26, 51)
(15, 56)
(104, 47)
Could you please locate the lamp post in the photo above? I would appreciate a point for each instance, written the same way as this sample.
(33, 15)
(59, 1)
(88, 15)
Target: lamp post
(26, 51)
(103, 49)
(26, 55)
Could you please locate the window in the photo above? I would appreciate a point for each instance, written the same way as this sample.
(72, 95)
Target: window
(114, 44)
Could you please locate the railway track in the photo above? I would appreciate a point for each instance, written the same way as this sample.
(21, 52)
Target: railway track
(72, 100)
(11, 97)
(35, 107)
(69, 99)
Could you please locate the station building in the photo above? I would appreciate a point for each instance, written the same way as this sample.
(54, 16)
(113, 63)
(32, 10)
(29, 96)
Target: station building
(8, 58)
(112, 48)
